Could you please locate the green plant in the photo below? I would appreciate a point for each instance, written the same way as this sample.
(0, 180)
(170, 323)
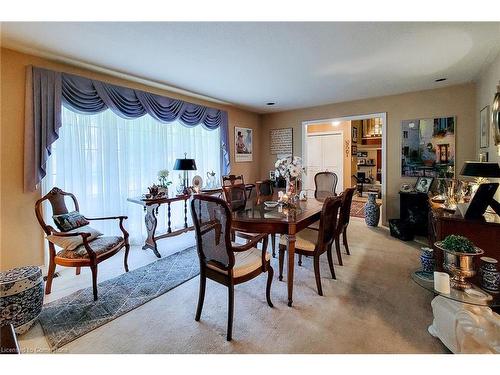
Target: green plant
(459, 244)
(162, 177)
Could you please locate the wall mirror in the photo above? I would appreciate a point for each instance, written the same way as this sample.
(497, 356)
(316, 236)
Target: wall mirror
(495, 116)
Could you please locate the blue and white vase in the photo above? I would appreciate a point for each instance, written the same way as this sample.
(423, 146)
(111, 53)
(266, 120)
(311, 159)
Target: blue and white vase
(490, 275)
(21, 297)
(372, 210)
(427, 260)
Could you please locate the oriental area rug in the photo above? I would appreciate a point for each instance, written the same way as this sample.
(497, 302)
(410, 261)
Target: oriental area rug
(70, 317)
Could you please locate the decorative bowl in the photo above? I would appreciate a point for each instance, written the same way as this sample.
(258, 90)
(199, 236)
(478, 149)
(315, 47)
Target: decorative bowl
(271, 204)
(459, 265)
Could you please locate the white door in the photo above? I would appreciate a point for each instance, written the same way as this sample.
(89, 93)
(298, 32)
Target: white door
(324, 153)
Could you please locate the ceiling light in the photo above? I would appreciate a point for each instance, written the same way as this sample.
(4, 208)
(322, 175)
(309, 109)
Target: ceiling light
(270, 103)
(440, 79)
(336, 123)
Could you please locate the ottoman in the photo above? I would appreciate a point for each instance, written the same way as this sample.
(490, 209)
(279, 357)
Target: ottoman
(21, 297)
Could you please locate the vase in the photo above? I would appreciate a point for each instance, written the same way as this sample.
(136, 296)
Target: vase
(372, 210)
(427, 260)
(21, 297)
(291, 191)
(490, 275)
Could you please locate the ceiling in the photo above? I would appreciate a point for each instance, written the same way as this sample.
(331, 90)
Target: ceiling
(293, 64)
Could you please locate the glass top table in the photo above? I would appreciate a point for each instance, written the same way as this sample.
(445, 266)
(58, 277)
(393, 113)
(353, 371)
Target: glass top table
(473, 296)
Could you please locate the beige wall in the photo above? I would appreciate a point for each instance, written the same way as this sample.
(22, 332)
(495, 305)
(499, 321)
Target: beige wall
(21, 240)
(486, 89)
(345, 128)
(457, 101)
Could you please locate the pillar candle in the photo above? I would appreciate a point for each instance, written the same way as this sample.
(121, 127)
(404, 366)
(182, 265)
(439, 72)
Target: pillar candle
(442, 282)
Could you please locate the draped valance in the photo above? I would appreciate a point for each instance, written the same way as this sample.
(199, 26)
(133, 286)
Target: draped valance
(47, 90)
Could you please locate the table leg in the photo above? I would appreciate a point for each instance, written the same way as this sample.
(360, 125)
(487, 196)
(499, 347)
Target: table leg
(169, 230)
(185, 214)
(290, 265)
(151, 223)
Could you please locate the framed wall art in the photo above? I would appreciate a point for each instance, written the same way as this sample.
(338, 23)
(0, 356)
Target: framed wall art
(243, 144)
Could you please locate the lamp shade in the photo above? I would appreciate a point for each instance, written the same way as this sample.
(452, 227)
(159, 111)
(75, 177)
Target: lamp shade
(479, 169)
(185, 165)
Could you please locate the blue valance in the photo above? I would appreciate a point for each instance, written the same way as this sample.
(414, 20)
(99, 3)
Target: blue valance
(46, 90)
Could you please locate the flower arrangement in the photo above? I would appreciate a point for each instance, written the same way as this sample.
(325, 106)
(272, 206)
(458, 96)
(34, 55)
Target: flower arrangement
(290, 168)
(162, 177)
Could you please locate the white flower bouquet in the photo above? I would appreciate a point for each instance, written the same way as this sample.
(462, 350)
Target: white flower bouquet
(290, 168)
(162, 177)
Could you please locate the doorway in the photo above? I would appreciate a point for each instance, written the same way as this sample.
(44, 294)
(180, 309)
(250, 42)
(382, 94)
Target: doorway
(324, 154)
(362, 149)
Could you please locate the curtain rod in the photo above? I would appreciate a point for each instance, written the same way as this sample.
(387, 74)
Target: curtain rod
(110, 72)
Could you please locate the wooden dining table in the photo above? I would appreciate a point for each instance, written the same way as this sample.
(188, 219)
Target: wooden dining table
(257, 218)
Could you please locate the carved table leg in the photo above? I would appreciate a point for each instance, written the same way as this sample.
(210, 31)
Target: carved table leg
(151, 223)
(291, 264)
(169, 230)
(185, 214)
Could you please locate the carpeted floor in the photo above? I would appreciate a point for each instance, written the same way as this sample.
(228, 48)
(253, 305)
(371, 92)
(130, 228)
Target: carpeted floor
(372, 307)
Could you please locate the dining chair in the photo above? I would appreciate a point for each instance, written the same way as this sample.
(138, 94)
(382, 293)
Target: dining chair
(232, 179)
(265, 190)
(326, 184)
(343, 222)
(312, 242)
(221, 260)
(88, 251)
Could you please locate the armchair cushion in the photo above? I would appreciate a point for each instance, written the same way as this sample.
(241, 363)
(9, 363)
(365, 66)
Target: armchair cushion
(245, 262)
(305, 240)
(100, 246)
(71, 243)
(68, 221)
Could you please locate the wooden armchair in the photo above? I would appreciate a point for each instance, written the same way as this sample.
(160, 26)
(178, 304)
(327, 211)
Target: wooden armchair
(220, 259)
(91, 252)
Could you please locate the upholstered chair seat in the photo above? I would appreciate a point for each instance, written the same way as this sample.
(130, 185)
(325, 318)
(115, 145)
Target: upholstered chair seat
(305, 240)
(245, 262)
(100, 246)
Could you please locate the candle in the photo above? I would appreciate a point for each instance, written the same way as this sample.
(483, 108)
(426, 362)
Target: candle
(442, 282)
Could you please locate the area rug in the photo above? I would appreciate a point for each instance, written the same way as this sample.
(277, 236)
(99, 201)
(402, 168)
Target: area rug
(358, 209)
(70, 317)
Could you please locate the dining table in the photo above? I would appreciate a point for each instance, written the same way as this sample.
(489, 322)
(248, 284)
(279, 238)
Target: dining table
(285, 220)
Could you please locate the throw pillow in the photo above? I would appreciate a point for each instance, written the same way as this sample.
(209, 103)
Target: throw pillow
(71, 243)
(69, 221)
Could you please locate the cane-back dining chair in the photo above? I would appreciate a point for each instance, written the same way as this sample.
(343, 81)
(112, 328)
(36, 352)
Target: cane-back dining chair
(221, 260)
(232, 179)
(312, 242)
(92, 250)
(265, 191)
(326, 183)
(343, 222)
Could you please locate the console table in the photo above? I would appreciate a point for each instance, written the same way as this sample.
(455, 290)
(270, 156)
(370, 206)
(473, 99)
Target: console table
(485, 233)
(151, 207)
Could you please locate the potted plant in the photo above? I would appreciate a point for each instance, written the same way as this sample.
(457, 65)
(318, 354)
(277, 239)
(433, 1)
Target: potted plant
(164, 183)
(459, 253)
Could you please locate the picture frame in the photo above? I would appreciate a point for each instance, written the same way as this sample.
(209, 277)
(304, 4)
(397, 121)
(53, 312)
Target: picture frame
(354, 150)
(484, 128)
(243, 144)
(423, 184)
(354, 135)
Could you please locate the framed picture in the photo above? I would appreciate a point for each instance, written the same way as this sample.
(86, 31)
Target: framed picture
(243, 142)
(354, 135)
(354, 150)
(423, 184)
(428, 147)
(484, 127)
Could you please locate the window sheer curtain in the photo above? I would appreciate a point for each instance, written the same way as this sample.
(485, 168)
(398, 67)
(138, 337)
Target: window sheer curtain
(104, 159)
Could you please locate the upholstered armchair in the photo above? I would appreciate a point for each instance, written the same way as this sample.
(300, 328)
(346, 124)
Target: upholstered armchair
(82, 246)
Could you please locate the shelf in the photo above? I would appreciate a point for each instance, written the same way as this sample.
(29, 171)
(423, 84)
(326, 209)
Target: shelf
(366, 165)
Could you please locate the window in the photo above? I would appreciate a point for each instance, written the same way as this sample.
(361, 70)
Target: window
(104, 159)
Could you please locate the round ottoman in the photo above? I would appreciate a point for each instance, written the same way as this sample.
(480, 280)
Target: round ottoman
(21, 297)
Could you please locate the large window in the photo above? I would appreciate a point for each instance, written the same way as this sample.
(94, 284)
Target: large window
(104, 159)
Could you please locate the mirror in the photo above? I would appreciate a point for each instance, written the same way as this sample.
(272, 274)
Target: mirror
(495, 116)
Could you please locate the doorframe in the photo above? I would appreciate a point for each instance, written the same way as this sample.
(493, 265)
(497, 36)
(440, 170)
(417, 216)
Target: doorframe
(383, 116)
(317, 134)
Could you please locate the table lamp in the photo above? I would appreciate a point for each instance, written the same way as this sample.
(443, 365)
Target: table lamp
(185, 165)
(485, 192)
